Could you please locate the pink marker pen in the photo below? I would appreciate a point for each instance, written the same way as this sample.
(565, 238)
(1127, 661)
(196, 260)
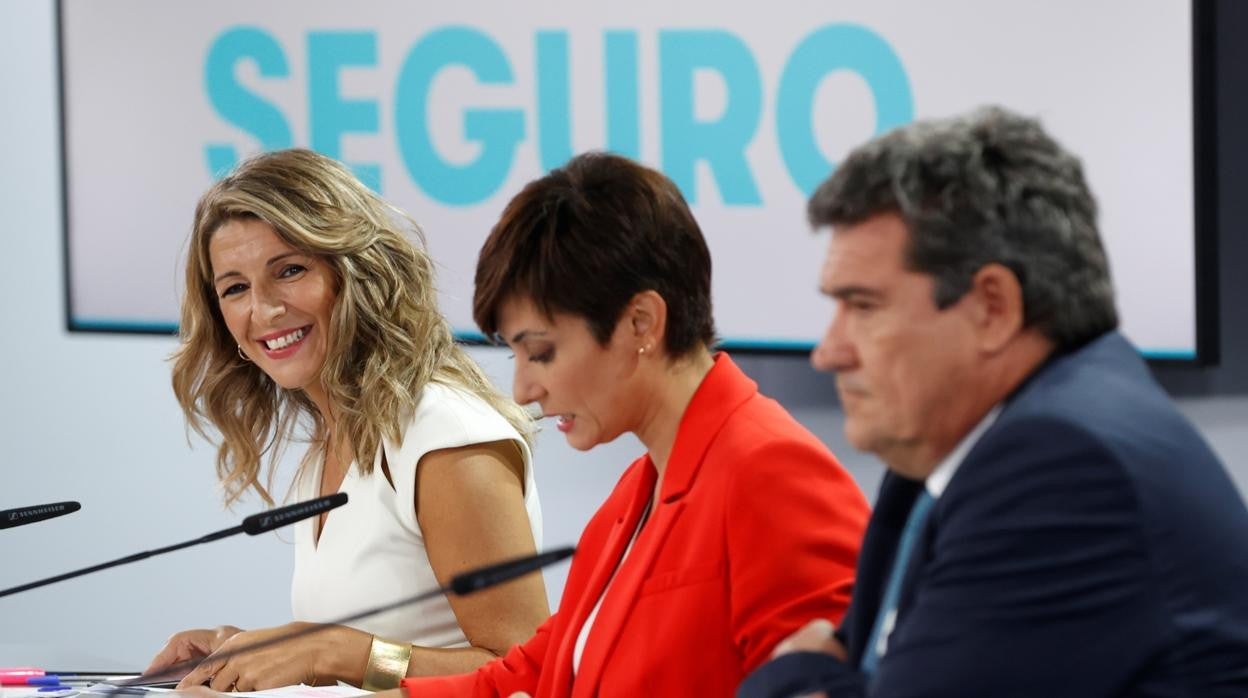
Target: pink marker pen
(18, 675)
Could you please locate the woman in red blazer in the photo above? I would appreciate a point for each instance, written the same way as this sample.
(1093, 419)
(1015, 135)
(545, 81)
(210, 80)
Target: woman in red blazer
(733, 530)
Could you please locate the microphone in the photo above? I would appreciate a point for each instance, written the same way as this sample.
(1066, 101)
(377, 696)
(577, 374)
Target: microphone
(484, 577)
(460, 585)
(252, 525)
(283, 516)
(12, 518)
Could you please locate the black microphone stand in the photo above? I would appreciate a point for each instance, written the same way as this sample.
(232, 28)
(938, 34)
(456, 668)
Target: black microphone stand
(461, 585)
(252, 525)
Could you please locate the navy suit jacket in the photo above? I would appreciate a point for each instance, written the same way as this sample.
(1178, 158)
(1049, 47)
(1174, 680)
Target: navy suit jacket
(1090, 544)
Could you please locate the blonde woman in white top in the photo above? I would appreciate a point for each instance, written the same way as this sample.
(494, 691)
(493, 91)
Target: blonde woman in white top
(307, 307)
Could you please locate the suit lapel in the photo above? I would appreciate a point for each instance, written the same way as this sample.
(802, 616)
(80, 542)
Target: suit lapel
(914, 566)
(879, 548)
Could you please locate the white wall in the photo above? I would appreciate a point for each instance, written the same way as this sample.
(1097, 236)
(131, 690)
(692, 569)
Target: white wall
(92, 418)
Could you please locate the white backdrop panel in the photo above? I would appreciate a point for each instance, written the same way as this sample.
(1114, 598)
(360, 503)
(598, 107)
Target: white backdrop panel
(448, 109)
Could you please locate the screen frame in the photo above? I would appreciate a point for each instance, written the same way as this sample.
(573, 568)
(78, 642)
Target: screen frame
(1204, 188)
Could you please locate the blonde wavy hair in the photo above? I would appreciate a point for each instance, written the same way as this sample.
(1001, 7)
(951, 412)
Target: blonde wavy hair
(387, 339)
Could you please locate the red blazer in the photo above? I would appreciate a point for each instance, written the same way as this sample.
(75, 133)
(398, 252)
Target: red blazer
(755, 532)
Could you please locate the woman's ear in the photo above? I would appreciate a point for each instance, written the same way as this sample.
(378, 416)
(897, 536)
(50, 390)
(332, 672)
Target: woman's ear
(647, 317)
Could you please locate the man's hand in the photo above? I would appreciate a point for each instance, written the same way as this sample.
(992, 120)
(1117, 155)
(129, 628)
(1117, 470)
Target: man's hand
(815, 636)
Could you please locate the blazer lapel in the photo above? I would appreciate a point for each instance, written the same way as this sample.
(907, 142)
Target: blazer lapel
(618, 606)
(605, 566)
(721, 392)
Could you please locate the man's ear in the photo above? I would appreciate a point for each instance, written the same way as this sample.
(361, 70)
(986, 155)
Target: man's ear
(996, 296)
(647, 317)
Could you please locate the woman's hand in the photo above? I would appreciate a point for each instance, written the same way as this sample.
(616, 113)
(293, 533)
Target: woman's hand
(321, 657)
(190, 644)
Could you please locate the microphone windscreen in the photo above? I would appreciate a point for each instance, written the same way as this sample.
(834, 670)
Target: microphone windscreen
(10, 518)
(478, 579)
(284, 516)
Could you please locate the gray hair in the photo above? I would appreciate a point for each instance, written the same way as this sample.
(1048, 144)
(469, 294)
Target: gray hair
(988, 187)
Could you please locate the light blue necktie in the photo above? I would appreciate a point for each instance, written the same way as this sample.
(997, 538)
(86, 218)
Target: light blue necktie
(887, 614)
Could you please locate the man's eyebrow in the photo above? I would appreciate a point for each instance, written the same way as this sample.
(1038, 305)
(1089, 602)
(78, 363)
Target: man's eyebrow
(850, 291)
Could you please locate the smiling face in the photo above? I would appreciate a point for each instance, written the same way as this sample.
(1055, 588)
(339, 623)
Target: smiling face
(276, 301)
(594, 391)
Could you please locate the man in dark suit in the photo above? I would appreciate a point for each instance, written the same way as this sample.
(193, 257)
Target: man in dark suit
(1050, 525)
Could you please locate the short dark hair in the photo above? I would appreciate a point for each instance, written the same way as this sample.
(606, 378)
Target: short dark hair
(590, 235)
(988, 187)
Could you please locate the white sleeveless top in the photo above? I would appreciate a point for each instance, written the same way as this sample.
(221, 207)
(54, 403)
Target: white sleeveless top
(372, 550)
